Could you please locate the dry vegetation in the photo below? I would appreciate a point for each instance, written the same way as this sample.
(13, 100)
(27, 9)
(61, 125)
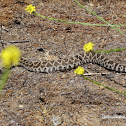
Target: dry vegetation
(32, 99)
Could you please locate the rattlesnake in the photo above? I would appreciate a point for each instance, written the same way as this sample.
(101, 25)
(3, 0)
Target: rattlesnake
(68, 63)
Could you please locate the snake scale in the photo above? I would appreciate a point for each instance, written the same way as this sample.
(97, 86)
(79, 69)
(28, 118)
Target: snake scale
(68, 63)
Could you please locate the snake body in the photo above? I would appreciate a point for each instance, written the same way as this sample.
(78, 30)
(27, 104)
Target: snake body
(72, 62)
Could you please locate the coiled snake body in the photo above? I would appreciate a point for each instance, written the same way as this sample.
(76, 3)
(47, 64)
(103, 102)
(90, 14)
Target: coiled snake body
(72, 62)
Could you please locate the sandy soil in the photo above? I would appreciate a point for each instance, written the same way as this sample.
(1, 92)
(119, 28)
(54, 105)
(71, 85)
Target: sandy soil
(62, 98)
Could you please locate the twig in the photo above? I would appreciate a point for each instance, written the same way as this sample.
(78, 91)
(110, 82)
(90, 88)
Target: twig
(1, 36)
(42, 114)
(20, 41)
(89, 74)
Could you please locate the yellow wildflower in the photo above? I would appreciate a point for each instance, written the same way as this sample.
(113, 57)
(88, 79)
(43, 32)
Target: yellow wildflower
(30, 8)
(88, 47)
(10, 56)
(79, 70)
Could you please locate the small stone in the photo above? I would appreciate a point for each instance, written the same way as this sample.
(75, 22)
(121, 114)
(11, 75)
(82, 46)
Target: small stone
(56, 120)
(111, 75)
(21, 106)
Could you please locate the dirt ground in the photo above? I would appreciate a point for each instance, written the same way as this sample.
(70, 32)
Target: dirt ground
(62, 98)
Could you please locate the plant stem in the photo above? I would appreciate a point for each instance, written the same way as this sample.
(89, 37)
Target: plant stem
(4, 78)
